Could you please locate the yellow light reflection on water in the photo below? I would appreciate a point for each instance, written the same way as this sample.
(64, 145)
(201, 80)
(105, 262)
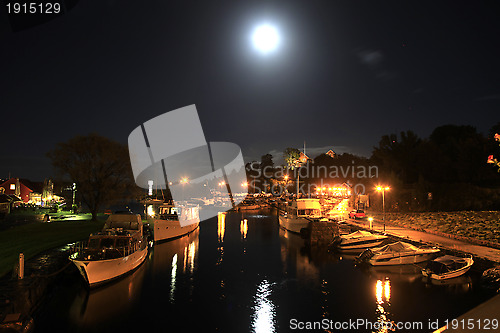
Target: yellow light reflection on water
(221, 225)
(244, 228)
(263, 318)
(387, 290)
(190, 256)
(378, 291)
(383, 297)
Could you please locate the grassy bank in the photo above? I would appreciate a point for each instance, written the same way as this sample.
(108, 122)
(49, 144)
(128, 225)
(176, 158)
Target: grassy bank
(484, 225)
(34, 238)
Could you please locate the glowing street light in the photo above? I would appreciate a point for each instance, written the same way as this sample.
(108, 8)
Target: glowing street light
(383, 189)
(184, 180)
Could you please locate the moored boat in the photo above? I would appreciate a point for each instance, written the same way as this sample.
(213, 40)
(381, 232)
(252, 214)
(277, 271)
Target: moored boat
(166, 219)
(358, 241)
(298, 213)
(116, 250)
(398, 253)
(247, 205)
(447, 267)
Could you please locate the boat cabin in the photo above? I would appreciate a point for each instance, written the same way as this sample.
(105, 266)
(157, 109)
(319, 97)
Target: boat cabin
(310, 208)
(169, 212)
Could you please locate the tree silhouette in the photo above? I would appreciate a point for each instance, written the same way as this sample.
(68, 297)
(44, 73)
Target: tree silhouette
(99, 166)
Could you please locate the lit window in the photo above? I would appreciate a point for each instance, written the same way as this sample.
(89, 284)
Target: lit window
(12, 186)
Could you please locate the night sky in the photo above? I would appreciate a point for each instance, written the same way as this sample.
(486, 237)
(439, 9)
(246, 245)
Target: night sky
(345, 73)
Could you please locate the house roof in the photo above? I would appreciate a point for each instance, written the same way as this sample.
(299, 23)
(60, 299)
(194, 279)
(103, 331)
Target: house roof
(9, 198)
(33, 186)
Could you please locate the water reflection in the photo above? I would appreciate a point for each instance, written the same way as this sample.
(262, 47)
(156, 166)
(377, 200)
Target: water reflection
(221, 226)
(244, 228)
(294, 257)
(264, 315)
(459, 285)
(189, 256)
(173, 274)
(397, 273)
(169, 254)
(90, 309)
(383, 298)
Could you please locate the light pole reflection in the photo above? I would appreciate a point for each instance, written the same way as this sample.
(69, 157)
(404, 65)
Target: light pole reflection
(244, 228)
(383, 297)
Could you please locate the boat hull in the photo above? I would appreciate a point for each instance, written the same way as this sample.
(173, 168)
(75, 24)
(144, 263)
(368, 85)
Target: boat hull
(360, 246)
(165, 229)
(293, 224)
(449, 275)
(403, 259)
(97, 272)
(248, 207)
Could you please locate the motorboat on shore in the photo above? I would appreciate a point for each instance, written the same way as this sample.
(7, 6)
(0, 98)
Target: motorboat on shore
(166, 218)
(447, 267)
(119, 248)
(298, 213)
(358, 241)
(398, 253)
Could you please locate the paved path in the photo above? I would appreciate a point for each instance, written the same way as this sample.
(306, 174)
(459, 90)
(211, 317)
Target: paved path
(435, 240)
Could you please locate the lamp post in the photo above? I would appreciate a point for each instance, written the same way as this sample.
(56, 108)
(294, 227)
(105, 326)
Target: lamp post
(73, 204)
(383, 189)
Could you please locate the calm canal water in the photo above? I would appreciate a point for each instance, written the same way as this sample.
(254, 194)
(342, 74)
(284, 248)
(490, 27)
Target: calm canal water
(232, 275)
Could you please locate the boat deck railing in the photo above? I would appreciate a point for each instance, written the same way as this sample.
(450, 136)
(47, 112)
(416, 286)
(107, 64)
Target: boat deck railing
(81, 251)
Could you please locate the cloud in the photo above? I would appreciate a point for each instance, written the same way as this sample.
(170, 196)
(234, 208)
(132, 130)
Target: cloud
(371, 58)
(374, 60)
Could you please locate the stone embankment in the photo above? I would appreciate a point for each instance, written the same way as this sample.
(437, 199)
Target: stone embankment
(19, 298)
(480, 228)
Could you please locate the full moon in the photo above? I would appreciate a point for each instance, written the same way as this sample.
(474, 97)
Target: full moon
(265, 38)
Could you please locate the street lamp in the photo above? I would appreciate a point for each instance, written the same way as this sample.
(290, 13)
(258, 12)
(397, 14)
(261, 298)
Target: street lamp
(383, 189)
(370, 219)
(184, 180)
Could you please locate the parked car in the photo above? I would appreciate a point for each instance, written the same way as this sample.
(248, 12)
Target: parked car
(357, 214)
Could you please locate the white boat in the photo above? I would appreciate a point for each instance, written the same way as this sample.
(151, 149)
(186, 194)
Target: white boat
(398, 253)
(358, 241)
(447, 267)
(164, 217)
(116, 250)
(297, 214)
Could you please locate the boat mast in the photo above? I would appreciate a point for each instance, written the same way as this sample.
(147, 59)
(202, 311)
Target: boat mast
(298, 170)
